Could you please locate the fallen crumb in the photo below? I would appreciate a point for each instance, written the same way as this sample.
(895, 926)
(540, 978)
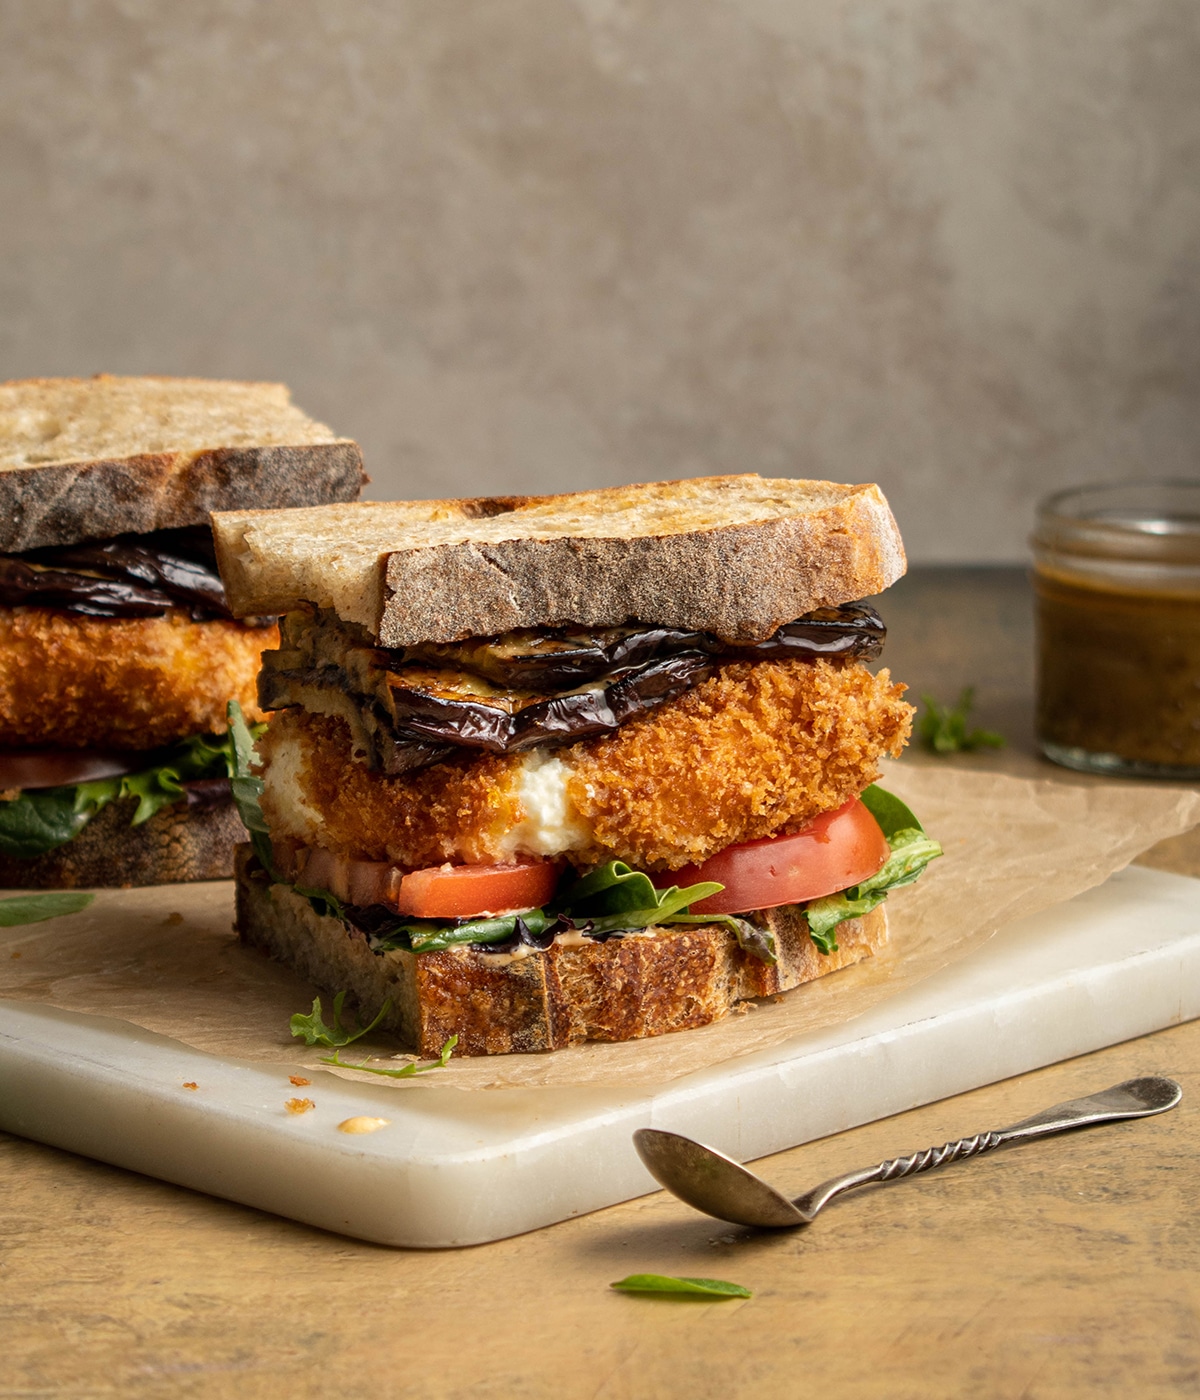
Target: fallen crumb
(190, 1084)
(741, 1008)
(362, 1125)
(298, 1080)
(172, 920)
(778, 998)
(299, 1105)
(17, 954)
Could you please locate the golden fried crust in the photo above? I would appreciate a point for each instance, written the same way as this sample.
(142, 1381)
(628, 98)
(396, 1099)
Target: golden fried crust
(457, 810)
(69, 681)
(758, 749)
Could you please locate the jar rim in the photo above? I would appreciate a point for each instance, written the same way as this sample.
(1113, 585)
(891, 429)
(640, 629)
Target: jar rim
(1148, 521)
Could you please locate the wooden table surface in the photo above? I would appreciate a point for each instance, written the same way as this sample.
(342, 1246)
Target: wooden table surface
(1067, 1268)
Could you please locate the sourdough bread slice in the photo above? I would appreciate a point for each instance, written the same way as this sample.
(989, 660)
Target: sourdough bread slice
(90, 458)
(734, 555)
(626, 989)
(192, 840)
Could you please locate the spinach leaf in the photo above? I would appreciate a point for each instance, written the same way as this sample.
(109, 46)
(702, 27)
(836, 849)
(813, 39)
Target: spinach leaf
(887, 809)
(35, 908)
(36, 822)
(681, 1287)
(408, 1072)
(313, 1029)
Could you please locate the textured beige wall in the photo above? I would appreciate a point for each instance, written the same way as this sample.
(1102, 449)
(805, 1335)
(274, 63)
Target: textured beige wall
(949, 245)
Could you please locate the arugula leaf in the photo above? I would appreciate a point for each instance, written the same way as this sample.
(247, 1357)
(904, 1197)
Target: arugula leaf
(682, 1287)
(911, 850)
(247, 786)
(943, 728)
(35, 908)
(407, 1072)
(315, 1032)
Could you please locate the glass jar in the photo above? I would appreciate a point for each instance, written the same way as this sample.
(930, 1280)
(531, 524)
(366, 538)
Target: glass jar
(1117, 581)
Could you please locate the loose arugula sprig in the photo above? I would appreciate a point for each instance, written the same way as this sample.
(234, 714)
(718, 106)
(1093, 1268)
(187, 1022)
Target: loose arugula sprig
(681, 1287)
(943, 728)
(315, 1032)
(407, 1072)
(911, 852)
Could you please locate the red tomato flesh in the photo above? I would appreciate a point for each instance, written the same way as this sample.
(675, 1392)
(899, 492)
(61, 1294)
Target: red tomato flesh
(835, 851)
(463, 891)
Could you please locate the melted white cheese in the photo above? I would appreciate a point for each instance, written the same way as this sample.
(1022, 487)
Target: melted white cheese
(550, 823)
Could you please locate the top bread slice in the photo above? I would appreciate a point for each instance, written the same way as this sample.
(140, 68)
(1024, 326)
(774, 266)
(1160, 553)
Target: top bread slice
(734, 555)
(91, 458)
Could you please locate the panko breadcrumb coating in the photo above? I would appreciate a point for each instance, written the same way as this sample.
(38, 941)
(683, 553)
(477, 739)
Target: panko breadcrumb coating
(758, 749)
(74, 682)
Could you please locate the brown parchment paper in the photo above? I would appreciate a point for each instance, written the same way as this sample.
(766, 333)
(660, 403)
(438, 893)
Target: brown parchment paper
(166, 957)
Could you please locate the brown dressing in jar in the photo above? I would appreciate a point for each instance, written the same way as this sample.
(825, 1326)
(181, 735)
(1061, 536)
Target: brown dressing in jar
(1117, 581)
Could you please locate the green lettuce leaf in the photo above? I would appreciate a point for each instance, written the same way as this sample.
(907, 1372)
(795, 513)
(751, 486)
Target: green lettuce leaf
(36, 908)
(616, 897)
(40, 820)
(911, 851)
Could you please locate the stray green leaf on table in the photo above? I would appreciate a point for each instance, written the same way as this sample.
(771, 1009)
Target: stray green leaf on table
(407, 1072)
(35, 908)
(315, 1032)
(943, 728)
(681, 1287)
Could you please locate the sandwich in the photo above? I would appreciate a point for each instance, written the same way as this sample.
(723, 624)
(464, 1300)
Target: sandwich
(118, 650)
(598, 766)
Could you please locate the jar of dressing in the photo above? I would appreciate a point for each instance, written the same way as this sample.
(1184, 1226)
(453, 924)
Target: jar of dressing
(1117, 582)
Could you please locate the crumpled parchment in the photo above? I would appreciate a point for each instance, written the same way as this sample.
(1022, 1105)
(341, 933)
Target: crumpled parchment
(167, 958)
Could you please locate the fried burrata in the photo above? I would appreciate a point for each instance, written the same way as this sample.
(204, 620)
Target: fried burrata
(758, 749)
(74, 682)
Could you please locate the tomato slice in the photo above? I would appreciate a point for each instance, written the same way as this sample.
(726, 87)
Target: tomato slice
(835, 851)
(463, 891)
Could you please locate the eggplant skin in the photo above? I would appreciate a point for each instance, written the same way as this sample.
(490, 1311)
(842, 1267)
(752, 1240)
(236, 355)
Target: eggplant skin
(127, 576)
(414, 708)
(561, 658)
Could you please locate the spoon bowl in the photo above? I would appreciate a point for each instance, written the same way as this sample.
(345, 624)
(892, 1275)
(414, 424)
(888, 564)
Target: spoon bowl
(718, 1185)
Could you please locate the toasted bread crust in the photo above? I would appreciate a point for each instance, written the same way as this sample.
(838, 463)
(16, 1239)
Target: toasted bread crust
(64, 503)
(187, 841)
(90, 458)
(625, 989)
(737, 555)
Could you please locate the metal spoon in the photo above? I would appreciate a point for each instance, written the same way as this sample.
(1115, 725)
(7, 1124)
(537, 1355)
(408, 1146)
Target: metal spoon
(719, 1186)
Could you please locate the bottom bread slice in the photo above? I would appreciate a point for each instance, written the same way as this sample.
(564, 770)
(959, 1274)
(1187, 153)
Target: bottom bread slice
(680, 977)
(192, 840)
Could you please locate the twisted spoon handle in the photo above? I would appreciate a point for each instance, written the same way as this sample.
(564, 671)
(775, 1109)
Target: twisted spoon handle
(1135, 1098)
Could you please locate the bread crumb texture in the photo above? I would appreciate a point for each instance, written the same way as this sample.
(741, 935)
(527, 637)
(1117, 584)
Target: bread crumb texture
(122, 683)
(113, 417)
(757, 750)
